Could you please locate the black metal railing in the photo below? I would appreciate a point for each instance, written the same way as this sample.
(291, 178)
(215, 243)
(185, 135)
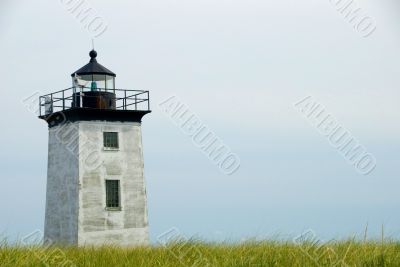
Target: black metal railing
(84, 97)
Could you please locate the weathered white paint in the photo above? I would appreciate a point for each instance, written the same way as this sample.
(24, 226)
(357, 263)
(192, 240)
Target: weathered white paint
(76, 194)
(61, 219)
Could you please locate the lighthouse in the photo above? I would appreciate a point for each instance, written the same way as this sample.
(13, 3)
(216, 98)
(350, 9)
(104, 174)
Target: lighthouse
(96, 193)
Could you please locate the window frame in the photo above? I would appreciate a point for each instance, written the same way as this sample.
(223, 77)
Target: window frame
(109, 144)
(118, 192)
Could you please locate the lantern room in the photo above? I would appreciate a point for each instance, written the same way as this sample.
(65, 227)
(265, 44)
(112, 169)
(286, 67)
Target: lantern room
(93, 76)
(93, 95)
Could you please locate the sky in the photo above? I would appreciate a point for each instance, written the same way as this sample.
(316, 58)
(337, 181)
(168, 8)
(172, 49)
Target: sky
(239, 66)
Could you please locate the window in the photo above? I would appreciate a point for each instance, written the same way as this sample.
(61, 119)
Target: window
(113, 194)
(110, 140)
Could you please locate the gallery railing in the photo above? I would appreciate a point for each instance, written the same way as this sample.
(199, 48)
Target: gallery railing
(100, 98)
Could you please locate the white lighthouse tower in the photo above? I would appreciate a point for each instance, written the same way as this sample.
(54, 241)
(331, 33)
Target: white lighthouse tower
(95, 180)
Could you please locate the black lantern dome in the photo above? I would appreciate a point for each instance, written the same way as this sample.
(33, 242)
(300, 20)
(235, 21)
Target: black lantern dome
(94, 76)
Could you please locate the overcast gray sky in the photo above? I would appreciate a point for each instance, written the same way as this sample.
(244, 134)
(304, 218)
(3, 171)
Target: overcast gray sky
(239, 66)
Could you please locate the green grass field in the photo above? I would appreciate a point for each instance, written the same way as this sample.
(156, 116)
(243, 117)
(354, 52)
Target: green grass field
(268, 253)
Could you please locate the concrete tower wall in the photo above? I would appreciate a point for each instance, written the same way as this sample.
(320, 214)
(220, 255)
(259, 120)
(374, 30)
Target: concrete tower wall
(61, 219)
(97, 225)
(81, 173)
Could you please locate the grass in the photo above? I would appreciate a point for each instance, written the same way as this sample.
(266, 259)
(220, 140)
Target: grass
(254, 254)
